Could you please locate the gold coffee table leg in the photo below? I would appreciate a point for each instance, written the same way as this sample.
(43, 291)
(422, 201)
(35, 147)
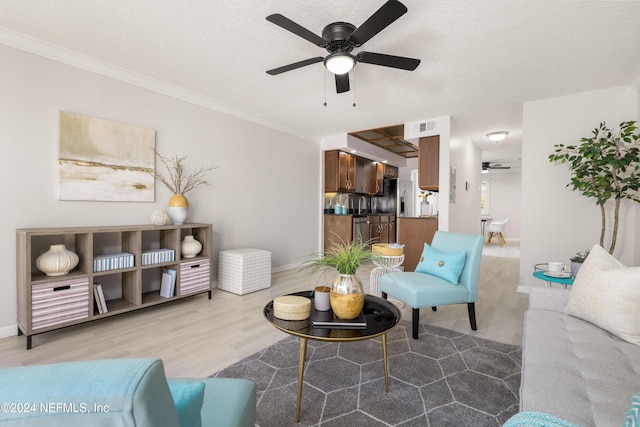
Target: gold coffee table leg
(384, 361)
(303, 355)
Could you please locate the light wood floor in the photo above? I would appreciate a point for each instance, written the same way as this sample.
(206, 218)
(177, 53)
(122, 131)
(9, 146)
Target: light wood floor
(196, 337)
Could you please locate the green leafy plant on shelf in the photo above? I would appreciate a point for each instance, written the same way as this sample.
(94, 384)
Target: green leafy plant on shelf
(605, 166)
(579, 257)
(342, 256)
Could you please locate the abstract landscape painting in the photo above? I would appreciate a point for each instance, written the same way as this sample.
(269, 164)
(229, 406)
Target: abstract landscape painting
(105, 161)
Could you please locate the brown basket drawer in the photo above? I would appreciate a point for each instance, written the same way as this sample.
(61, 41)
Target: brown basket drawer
(195, 276)
(59, 302)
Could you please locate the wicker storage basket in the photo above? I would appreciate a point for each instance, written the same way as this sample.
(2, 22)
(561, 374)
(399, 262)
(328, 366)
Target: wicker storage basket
(385, 249)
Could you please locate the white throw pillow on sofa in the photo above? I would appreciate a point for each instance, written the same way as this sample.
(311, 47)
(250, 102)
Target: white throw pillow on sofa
(607, 294)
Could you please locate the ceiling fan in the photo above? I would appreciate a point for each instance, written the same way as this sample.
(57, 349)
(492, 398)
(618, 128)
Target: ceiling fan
(340, 38)
(486, 166)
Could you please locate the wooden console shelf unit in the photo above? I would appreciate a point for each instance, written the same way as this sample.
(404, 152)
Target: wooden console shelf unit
(47, 303)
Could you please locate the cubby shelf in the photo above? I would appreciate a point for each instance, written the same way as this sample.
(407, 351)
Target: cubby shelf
(49, 303)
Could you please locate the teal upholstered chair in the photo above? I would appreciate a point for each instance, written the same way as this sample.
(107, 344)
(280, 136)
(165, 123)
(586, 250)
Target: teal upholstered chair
(127, 392)
(443, 260)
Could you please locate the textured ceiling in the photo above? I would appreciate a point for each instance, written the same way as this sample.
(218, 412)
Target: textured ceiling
(480, 59)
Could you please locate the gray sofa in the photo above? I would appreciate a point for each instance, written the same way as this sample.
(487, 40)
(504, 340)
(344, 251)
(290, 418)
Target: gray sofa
(573, 369)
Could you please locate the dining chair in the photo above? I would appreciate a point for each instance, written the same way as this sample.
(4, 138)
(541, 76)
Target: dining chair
(446, 274)
(495, 229)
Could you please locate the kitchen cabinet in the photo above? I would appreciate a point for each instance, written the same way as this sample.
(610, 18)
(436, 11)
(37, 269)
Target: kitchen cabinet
(428, 163)
(390, 171)
(339, 172)
(382, 228)
(374, 178)
(337, 228)
(413, 233)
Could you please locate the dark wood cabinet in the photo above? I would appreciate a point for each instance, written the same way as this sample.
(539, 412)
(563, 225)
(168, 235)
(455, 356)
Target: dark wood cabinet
(374, 178)
(390, 171)
(337, 228)
(339, 172)
(382, 228)
(428, 163)
(413, 233)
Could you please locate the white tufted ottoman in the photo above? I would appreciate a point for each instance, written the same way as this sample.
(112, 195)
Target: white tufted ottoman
(244, 270)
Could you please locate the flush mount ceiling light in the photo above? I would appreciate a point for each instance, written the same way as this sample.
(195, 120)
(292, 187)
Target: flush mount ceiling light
(339, 62)
(497, 136)
(340, 39)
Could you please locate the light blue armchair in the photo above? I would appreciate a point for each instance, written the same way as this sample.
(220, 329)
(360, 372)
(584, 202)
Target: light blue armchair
(446, 274)
(119, 393)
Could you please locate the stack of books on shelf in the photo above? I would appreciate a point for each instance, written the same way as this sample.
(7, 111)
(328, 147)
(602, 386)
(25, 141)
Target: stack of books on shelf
(112, 262)
(168, 284)
(157, 256)
(98, 294)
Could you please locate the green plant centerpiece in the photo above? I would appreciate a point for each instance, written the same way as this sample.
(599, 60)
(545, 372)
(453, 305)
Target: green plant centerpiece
(347, 292)
(605, 166)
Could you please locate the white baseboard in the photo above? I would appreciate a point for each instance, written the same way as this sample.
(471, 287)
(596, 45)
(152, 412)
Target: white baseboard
(273, 270)
(8, 331)
(284, 267)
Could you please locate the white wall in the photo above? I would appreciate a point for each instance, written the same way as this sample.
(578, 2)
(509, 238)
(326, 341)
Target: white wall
(505, 201)
(557, 222)
(265, 192)
(464, 214)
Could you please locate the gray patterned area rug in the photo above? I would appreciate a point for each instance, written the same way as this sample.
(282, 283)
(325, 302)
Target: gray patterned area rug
(442, 379)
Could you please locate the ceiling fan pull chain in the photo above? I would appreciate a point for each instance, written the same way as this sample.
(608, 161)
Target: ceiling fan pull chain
(325, 88)
(354, 88)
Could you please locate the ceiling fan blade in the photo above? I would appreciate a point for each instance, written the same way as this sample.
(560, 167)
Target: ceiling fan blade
(383, 17)
(392, 61)
(342, 83)
(295, 65)
(296, 29)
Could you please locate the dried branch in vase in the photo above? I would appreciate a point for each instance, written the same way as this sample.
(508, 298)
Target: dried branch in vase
(177, 180)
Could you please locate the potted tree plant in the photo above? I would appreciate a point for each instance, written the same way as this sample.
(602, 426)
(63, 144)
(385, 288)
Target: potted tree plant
(605, 166)
(347, 292)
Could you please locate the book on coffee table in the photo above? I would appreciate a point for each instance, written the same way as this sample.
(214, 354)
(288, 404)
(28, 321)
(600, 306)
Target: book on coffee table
(326, 319)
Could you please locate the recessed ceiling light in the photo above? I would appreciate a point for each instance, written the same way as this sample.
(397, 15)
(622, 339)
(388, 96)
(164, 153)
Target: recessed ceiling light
(497, 136)
(353, 151)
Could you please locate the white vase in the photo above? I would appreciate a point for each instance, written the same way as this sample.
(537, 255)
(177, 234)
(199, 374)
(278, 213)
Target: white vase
(57, 261)
(190, 247)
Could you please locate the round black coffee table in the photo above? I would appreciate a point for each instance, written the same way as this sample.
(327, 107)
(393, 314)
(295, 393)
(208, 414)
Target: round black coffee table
(380, 316)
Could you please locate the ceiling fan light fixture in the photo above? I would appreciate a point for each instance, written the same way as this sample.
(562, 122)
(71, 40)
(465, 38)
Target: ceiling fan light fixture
(497, 136)
(485, 170)
(339, 62)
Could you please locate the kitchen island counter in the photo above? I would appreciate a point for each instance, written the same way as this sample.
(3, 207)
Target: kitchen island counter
(413, 233)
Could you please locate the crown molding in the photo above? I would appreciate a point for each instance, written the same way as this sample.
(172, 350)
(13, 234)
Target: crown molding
(87, 63)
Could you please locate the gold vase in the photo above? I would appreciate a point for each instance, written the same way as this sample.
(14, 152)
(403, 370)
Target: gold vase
(347, 296)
